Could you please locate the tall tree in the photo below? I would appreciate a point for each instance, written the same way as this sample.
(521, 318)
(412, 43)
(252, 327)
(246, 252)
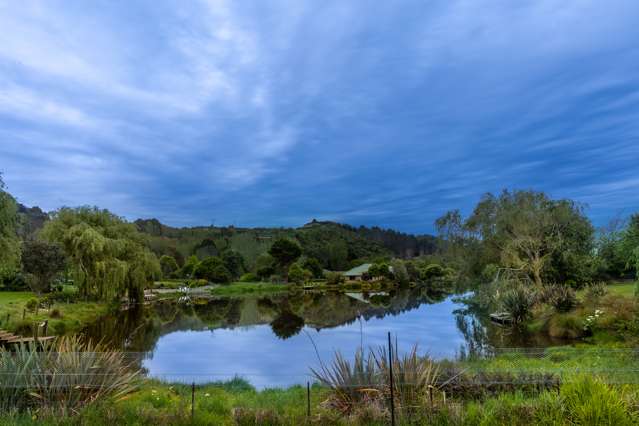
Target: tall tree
(107, 254)
(527, 230)
(285, 252)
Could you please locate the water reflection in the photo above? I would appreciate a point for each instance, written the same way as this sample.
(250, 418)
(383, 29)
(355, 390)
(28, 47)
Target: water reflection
(271, 340)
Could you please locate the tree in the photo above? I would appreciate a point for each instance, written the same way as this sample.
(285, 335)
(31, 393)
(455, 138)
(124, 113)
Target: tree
(42, 261)
(528, 231)
(265, 266)
(9, 243)
(399, 271)
(212, 269)
(107, 254)
(189, 266)
(378, 270)
(314, 266)
(299, 275)
(285, 252)
(234, 262)
(169, 265)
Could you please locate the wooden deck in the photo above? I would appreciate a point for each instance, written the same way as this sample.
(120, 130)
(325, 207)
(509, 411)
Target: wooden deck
(7, 338)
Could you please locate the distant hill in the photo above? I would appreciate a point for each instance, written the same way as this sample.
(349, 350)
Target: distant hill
(335, 245)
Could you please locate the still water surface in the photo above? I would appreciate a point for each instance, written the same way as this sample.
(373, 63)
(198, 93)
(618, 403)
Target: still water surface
(273, 340)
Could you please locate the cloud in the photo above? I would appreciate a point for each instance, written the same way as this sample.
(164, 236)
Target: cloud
(272, 113)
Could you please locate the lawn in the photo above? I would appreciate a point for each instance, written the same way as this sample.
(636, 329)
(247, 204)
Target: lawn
(622, 289)
(63, 317)
(238, 288)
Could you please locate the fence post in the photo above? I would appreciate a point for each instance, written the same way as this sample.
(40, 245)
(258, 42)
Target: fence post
(392, 385)
(308, 400)
(192, 401)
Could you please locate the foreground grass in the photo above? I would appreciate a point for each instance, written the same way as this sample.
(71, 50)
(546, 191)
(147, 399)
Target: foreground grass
(63, 317)
(582, 400)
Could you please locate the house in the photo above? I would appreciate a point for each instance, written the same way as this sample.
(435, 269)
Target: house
(356, 273)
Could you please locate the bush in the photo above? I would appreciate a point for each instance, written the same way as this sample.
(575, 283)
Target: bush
(32, 304)
(335, 278)
(213, 269)
(249, 277)
(518, 302)
(564, 299)
(595, 291)
(566, 326)
(433, 270)
(298, 275)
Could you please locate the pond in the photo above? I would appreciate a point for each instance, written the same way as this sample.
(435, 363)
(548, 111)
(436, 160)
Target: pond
(272, 340)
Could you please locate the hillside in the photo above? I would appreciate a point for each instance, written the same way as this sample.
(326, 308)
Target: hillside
(334, 245)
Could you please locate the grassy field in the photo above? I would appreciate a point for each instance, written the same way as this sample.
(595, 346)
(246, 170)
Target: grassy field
(63, 317)
(238, 288)
(622, 289)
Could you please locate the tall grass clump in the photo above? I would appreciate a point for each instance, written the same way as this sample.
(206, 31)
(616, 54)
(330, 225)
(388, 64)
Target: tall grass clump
(63, 377)
(588, 401)
(363, 388)
(518, 302)
(350, 383)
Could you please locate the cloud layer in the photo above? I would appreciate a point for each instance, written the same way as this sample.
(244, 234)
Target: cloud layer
(273, 113)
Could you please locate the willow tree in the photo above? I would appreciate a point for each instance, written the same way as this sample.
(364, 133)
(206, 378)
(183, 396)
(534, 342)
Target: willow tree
(108, 256)
(9, 243)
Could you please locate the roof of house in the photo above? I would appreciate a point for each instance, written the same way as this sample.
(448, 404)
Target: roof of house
(357, 271)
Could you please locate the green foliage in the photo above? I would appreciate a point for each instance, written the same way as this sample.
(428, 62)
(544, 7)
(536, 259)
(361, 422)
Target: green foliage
(213, 269)
(169, 266)
(249, 277)
(588, 401)
(189, 266)
(107, 254)
(42, 261)
(9, 243)
(285, 252)
(265, 266)
(378, 270)
(432, 270)
(313, 265)
(400, 274)
(518, 302)
(299, 275)
(561, 297)
(550, 240)
(234, 262)
(335, 278)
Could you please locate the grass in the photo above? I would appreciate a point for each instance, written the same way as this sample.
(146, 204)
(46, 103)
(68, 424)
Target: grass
(238, 288)
(626, 289)
(63, 317)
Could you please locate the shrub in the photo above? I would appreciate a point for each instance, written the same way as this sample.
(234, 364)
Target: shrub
(249, 277)
(433, 270)
(595, 291)
(32, 304)
(564, 299)
(55, 313)
(518, 302)
(212, 269)
(335, 278)
(298, 275)
(566, 326)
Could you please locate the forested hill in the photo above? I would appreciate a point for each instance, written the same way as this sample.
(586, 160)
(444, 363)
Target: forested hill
(334, 245)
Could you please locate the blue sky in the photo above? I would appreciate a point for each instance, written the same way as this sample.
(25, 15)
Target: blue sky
(273, 113)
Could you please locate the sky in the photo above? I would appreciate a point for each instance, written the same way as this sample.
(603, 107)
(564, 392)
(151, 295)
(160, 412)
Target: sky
(255, 113)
